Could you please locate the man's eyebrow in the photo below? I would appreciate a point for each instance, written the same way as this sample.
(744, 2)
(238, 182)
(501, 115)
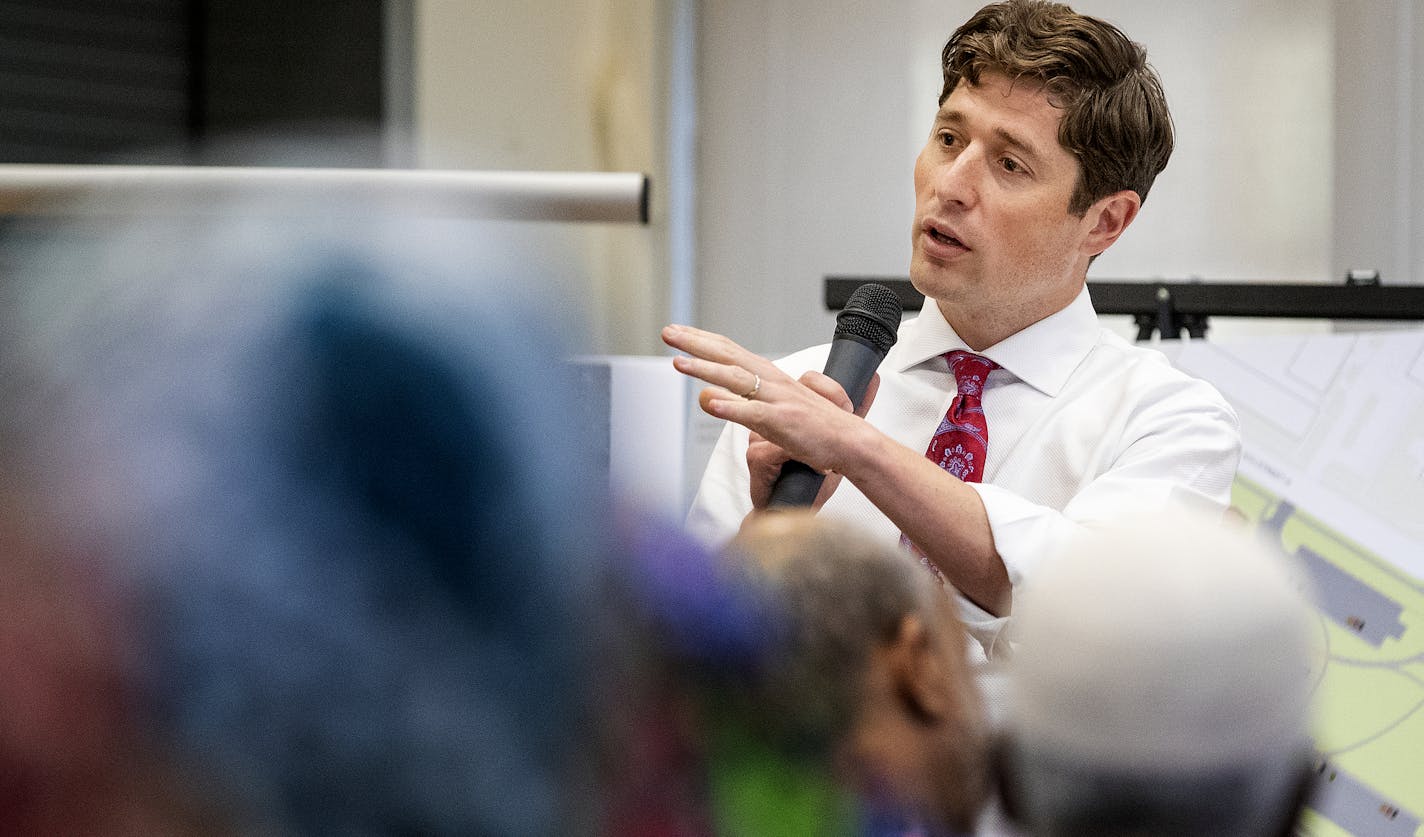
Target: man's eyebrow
(1023, 146)
(949, 116)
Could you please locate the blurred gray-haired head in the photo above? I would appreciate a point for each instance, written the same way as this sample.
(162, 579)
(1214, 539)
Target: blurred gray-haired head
(332, 460)
(1161, 685)
(865, 669)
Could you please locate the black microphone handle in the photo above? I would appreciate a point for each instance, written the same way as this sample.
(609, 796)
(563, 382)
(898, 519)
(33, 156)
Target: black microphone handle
(851, 363)
(796, 486)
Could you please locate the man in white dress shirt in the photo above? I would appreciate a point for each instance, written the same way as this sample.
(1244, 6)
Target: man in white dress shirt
(1050, 131)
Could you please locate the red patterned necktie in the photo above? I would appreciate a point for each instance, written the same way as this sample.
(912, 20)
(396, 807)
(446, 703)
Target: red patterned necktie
(961, 442)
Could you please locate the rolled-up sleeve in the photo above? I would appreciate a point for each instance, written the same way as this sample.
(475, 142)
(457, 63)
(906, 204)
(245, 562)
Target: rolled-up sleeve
(1180, 447)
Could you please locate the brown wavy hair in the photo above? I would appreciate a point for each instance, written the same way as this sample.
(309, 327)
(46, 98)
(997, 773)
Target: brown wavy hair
(1115, 118)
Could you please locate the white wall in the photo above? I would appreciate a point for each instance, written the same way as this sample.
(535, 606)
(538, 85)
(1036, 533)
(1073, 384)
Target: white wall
(1411, 227)
(1247, 193)
(1378, 163)
(805, 117)
(1300, 129)
(555, 85)
(812, 112)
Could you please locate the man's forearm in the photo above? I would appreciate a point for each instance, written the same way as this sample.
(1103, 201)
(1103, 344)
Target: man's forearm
(938, 513)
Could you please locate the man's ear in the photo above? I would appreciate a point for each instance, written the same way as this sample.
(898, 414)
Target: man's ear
(917, 667)
(1111, 216)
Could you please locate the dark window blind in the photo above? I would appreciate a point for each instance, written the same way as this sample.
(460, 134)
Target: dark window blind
(82, 81)
(94, 81)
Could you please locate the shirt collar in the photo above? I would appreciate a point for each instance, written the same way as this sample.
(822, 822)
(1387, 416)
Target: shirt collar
(1042, 355)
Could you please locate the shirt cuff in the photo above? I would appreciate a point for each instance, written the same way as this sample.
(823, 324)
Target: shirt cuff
(1024, 533)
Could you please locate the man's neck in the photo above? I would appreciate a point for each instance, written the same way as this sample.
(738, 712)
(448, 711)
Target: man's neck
(980, 328)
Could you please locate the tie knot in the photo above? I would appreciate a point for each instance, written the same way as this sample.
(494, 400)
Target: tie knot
(970, 371)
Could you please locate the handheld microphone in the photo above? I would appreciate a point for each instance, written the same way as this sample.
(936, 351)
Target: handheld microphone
(865, 330)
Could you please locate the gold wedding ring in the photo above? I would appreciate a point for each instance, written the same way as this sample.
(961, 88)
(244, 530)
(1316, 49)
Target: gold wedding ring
(755, 388)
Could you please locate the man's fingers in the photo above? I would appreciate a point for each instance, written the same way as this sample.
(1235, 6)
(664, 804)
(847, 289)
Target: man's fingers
(764, 461)
(826, 387)
(765, 455)
(736, 380)
(870, 391)
(719, 361)
(747, 389)
(713, 347)
(833, 481)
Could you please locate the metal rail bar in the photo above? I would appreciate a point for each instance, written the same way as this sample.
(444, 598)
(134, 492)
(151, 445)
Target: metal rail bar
(49, 190)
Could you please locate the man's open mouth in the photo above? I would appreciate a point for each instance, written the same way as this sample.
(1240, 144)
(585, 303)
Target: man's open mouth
(945, 239)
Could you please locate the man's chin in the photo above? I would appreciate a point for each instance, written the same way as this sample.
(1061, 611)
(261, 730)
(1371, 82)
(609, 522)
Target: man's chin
(920, 273)
(933, 281)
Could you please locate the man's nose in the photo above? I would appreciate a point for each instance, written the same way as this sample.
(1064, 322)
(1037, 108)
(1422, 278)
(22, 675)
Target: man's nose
(956, 179)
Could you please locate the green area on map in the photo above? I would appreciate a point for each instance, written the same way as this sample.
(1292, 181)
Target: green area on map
(1370, 697)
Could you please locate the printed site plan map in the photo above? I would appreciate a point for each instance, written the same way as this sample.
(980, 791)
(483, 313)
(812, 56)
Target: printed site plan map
(1333, 474)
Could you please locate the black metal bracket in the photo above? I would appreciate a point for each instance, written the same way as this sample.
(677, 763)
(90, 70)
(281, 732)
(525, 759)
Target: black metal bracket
(1170, 308)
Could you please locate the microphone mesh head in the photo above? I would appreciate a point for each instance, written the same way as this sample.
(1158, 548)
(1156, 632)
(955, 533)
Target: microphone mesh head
(872, 314)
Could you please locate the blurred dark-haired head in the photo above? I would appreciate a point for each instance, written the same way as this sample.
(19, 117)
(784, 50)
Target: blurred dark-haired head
(328, 472)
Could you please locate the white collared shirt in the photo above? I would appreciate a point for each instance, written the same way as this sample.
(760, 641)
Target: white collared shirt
(1084, 427)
